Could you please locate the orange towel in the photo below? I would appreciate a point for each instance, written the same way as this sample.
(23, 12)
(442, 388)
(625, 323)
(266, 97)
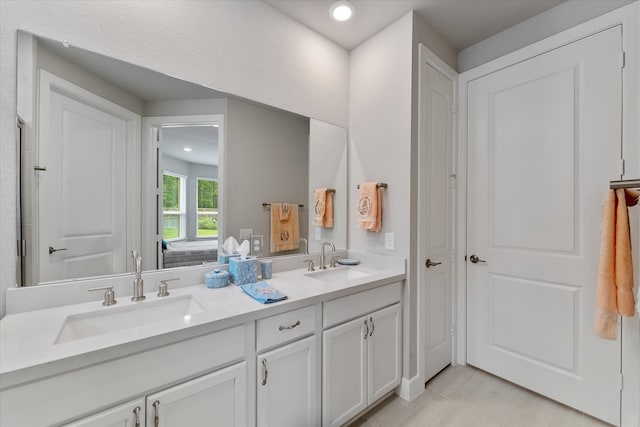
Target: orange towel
(322, 208)
(369, 207)
(614, 294)
(284, 232)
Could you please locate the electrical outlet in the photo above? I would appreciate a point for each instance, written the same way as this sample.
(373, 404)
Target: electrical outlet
(389, 241)
(245, 233)
(318, 233)
(256, 245)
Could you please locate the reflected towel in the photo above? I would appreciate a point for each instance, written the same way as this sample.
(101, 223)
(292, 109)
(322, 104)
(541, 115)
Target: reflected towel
(322, 208)
(369, 207)
(614, 294)
(262, 292)
(284, 233)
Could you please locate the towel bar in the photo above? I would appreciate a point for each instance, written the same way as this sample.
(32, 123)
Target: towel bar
(625, 183)
(379, 185)
(267, 205)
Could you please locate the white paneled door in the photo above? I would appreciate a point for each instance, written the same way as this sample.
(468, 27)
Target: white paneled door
(544, 140)
(83, 205)
(436, 223)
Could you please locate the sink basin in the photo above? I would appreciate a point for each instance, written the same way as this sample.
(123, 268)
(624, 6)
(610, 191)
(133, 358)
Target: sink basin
(78, 326)
(337, 275)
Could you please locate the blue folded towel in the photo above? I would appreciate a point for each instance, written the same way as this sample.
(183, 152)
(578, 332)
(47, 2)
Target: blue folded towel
(262, 293)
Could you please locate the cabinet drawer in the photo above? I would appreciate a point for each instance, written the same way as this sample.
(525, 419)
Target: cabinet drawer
(347, 308)
(285, 327)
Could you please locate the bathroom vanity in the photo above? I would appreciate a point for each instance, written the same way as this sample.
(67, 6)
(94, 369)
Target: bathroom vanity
(322, 356)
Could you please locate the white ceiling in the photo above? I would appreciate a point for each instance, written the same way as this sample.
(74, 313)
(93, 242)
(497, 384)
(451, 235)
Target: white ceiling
(203, 140)
(461, 22)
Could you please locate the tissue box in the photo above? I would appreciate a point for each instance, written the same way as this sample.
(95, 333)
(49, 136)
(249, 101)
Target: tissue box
(224, 259)
(243, 271)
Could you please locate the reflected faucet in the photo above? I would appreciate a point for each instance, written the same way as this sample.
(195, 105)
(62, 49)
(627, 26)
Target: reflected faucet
(323, 264)
(138, 284)
(306, 245)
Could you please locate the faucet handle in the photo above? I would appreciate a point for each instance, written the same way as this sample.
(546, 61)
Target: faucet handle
(310, 266)
(109, 295)
(163, 289)
(333, 261)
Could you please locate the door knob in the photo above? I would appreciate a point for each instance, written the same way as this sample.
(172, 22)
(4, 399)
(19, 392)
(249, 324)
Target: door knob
(474, 259)
(430, 263)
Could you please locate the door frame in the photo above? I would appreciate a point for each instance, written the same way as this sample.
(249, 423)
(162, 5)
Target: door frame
(629, 18)
(428, 57)
(150, 164)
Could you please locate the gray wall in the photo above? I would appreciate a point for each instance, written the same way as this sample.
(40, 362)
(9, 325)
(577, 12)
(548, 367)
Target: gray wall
(328, 168)
(548, 23)
(242, 47)
(275, 145)
(380, 143)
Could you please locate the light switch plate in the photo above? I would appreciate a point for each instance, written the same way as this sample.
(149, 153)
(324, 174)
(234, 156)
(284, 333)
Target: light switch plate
(245, 233)
(318, 233)
(389, 241)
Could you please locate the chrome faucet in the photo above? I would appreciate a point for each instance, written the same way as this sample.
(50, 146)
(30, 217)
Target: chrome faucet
(323, 264)
(138, 284)
(306, 245)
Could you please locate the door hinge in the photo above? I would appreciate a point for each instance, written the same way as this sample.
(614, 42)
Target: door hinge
(623, 58)
(621, 383)
(22, 247)
(454, 180)
(454, 108)
(621, 168)
(452, 330)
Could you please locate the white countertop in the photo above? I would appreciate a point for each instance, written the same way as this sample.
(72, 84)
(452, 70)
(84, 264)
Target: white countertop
(27, 340)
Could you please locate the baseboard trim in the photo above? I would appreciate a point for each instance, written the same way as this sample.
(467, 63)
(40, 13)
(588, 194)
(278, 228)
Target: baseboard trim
(410, 388)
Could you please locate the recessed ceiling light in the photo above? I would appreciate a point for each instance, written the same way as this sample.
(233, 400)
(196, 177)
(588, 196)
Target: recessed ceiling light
(342, 10)
(187, 149)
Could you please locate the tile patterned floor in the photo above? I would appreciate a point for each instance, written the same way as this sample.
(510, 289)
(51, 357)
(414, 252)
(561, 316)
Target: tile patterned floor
(462, 396)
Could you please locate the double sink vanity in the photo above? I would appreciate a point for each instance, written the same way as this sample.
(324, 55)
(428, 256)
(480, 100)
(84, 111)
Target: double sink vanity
(201, 356)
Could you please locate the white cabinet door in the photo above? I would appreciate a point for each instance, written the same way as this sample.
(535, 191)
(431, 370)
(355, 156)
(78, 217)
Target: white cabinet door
(216, 399)
(383, 352)
(130, 414)
(288, 385)
(344, 373)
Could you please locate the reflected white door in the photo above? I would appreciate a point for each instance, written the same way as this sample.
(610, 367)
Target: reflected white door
(82, 195)
(544, 141)
(436, 202)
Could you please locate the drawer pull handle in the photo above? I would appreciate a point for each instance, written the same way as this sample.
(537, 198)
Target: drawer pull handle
(366, 333)
(136, 411)
(291, 326)
(265, 372)
(156, 415)
(373, 327)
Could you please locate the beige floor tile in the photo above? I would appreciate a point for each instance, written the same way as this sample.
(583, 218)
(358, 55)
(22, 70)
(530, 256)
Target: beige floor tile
(393, 411)
(539, 411)
(426, 407)
(492, 398)
(361, 422)
(588, 421)
(459, 414)
(449, 381)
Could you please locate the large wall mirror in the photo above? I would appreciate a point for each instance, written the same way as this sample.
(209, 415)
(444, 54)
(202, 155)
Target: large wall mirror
(116, 157)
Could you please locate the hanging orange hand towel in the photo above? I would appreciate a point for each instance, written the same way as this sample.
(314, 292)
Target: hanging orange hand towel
(614, 294)
(369, 207)
(319, 206)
